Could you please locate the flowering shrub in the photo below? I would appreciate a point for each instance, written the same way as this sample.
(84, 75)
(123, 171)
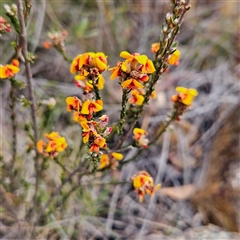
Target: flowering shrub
(104, 142)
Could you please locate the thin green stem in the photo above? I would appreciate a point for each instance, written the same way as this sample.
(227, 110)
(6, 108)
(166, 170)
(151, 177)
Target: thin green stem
(96, 90)
(123, 111)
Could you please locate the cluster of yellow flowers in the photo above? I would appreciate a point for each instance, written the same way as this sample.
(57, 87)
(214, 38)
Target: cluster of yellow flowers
(89, 67)
(94, 132)
(53, 146)
(143, 184)
(185, 96)
(133, 74)
(9, 70)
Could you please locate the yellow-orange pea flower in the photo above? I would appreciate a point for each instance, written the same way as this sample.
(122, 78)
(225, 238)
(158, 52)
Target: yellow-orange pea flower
(73, 103)
(173, 59)
(88, 130)
(99, 142)
(143, 184)
(155, 47)
(104, 161)
(116, 72)
(137, 97)
(128, 56)
(89, 107)
(133, 59)
(131, 84)
(111, 159)
(140, 137)
(9, 70)
(100, 61)
(138, 132)
(185, 96)
(147, 64)
(90, 60)
(55, 144)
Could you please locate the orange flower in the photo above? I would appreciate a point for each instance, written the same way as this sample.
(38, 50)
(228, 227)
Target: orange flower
(47, 44)
(104, 161)
(155, 47)
(89, 107)
(100, 61)
(111, 160)
(88, 130)
(55, 144)
(116, 71)
(131, 84)
(138, 132)
(143, 184)
(9, 70)
(73, 103)
(185, 96)
(173, 59)
(147, 65)
(140, 137)
(89, 60)
(137, 97)
(99, 142)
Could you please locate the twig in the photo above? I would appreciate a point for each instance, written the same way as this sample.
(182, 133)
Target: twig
(23, 45)
(14, 124)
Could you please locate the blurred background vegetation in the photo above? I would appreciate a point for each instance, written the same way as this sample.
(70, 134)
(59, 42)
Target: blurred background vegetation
(197, 161)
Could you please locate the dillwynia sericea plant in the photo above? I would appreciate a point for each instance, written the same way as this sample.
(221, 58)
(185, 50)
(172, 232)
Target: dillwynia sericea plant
(137, 75)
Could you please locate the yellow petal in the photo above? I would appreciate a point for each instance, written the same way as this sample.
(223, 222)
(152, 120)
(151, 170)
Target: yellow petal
(139, 131)
(80, 77)
(86, 138)
(117, 156)
(125, 54)
(85, 126)
(85, 107)
(193, 92)
(3, 71)
(100, 64)
(104, 161)
(98, 107)
(126, 83)
(142, 59)
(181, 89)
(188, 100)
(115, 71)
(137, 84)
(101, 82)
(150, 67)
(126, 66)
(140, 99)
